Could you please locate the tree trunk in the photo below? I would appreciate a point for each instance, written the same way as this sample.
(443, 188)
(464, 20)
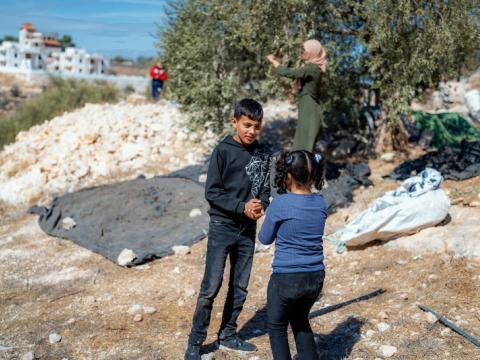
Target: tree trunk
(391, 134)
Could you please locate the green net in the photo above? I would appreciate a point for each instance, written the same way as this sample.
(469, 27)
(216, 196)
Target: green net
(447, 128)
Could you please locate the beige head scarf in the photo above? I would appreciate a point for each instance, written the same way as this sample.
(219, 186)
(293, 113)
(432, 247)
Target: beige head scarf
(314, 53)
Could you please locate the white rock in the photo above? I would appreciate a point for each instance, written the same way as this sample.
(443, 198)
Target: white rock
(388, 157)
(28, 356)
(126, 257)
(135, 309)
(149, 309)
(68, 223)
(388, 351)
(138, 317)
(54, 338)
(202, 178)
(370, 333)
(195, 213)
(75, 149)
(383, 326)
(181, 250)
(176, 270)
(430, 318)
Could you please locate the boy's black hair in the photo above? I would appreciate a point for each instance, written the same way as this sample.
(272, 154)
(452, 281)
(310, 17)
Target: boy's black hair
(249, 108)
(307, 169)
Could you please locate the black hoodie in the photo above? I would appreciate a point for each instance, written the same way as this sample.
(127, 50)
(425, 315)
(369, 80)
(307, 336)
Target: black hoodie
(236, 174)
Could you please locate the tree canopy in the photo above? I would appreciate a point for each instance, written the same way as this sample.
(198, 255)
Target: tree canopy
(66, 41)
(8, 38)
(215, 51)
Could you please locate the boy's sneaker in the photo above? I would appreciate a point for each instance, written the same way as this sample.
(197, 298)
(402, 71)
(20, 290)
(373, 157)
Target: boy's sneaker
(235, 343)
(192, 353)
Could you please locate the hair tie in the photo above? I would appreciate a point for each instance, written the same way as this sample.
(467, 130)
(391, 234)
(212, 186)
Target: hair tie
(318, 157)
(289, 160)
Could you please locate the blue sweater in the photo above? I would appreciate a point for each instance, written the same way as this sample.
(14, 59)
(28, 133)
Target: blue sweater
(297, 222)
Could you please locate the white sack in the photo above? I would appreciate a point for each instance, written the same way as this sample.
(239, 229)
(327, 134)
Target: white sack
(418, 203)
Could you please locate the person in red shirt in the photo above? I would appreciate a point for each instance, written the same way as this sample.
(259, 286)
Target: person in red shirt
(158, 76)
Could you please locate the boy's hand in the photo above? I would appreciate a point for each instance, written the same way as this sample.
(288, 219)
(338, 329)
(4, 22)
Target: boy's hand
(254, 209)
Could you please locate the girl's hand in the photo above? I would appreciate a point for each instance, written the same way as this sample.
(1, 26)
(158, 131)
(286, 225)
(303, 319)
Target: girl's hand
(253, 209)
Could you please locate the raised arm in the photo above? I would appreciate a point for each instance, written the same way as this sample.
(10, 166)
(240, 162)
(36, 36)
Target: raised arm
(293, 73)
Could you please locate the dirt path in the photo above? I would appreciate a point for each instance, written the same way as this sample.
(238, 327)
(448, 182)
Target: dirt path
(51, 285)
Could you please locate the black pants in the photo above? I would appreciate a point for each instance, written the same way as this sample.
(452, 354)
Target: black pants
(289, 300)
(239, 243)
(157, 86)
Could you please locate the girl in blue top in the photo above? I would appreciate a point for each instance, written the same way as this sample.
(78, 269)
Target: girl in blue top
(296, 220)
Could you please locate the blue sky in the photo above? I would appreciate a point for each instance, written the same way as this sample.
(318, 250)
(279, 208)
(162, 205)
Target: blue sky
(107, 27)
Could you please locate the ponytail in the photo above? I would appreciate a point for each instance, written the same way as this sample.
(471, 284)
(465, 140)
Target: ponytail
(306, 169)
(281, 172)
(319, 171)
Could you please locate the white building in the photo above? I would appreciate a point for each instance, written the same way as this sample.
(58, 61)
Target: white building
(77, 61)
(36, 51)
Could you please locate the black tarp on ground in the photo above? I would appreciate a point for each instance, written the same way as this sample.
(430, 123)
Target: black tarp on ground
(148, 216)
(342, 179)
(454, 163)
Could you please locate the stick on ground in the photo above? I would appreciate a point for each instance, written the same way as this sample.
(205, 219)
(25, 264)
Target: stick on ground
(452, 326)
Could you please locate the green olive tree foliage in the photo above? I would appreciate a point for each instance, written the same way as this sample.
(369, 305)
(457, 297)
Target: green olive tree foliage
(215, 52)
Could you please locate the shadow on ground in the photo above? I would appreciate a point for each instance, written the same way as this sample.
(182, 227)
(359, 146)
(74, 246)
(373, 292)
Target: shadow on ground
(336, 345)
(339, 343)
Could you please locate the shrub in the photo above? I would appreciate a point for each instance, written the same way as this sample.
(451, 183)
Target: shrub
(58, 97)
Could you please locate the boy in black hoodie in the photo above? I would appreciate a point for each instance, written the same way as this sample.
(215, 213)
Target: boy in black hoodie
(238, 191)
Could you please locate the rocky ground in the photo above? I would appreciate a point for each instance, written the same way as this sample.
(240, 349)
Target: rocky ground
(99, 310)
(61, 301)
(96, 145)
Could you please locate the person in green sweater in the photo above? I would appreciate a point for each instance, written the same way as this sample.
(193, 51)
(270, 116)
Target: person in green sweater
(308, 80)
